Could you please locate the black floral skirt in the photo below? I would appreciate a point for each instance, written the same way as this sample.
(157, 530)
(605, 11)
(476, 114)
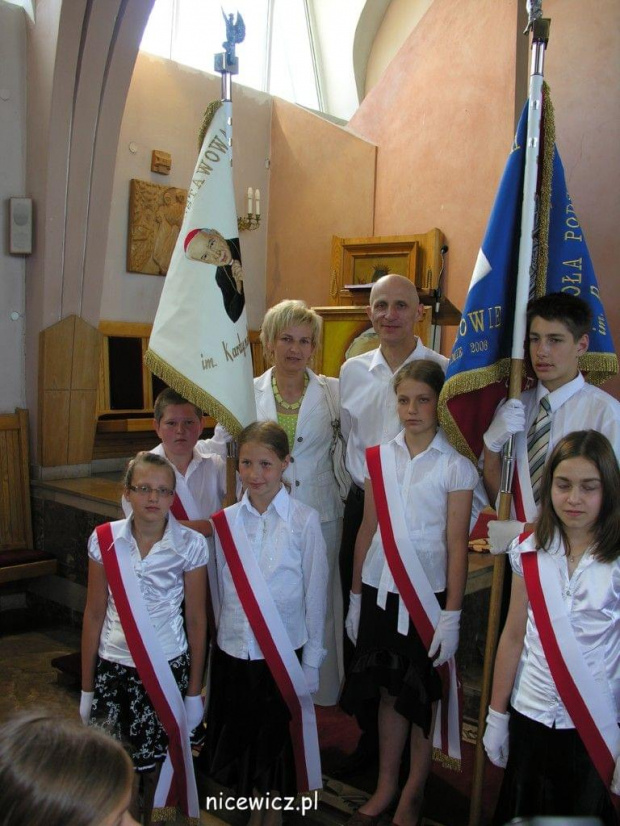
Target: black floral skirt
(122, 708)
(396, 662)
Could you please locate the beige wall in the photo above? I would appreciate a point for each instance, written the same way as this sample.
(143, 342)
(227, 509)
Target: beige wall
(401, 17)
(322, 184)
(12, 185)
(442, 116)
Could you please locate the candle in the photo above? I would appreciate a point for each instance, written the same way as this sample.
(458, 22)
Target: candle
(257, 202)
(250, 194)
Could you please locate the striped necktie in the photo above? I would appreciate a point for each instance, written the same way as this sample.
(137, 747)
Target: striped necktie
(538, 444)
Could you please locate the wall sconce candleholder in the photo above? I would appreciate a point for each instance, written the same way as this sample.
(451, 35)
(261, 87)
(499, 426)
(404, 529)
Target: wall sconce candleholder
(248, 222)
(252, 219)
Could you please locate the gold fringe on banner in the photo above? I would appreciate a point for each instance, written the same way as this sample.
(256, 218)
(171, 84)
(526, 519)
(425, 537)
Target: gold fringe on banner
(462, 383)
(206, 121)
(445, 760)
(168, 814)
(598, 367)
(544, 194)
(190, 391)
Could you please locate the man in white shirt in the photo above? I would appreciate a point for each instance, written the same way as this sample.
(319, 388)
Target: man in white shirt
(367, 401)
(557, 332)
(200, 474)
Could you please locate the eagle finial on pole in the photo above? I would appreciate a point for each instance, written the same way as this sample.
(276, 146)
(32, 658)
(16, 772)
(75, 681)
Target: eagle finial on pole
(235, 33)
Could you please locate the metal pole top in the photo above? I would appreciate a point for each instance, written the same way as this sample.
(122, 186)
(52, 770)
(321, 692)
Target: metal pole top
(227, 62)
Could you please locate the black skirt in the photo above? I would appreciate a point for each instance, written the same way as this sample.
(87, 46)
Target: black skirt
(248, 745)
(396, 662)
(122, 708)
(549, 772)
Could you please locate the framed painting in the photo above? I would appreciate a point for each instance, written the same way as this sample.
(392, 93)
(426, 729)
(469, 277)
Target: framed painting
(358, 262)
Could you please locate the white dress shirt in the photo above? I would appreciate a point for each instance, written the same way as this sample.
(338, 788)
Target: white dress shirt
(160, 576)
(368, 403)
(592, 600)
(425, 482)
(288, 545)
(575, 406)
(205, 477)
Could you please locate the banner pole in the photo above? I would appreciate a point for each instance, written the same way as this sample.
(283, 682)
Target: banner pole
(227, 64)
(525, 277)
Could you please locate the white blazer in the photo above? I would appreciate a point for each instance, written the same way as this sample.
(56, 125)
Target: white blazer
(310, 472)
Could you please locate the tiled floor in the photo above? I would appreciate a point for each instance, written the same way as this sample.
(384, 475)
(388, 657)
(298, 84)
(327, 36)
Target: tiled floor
(26, 676)
(27, 679)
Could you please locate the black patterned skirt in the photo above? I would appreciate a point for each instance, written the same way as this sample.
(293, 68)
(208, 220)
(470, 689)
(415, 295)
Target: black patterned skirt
(248, 744)
(122, 708)
(396, 662)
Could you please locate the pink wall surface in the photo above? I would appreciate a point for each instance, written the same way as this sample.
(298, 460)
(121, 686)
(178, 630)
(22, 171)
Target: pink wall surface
(322, 184)
(443, 119)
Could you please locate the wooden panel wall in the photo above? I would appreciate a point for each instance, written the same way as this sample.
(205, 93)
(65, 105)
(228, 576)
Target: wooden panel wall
(68, 377)
(15, 521)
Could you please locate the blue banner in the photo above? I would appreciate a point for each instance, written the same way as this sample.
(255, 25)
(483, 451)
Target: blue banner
(476, 378)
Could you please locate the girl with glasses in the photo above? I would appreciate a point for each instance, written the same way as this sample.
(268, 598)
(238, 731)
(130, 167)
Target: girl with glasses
(141, 670)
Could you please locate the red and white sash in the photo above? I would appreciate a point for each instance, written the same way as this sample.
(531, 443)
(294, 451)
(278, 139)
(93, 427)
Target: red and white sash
(274, 642)
(184, 508)
(415, 591)
(590, 709)
(177, 783)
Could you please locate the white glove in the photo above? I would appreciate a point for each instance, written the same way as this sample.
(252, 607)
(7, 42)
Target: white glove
(194, 710)
(502, 532)
(615, 781)
(495, 740)
(508, 420)
(312, 677)
(352, 622)
(446, 637)
(86, 703)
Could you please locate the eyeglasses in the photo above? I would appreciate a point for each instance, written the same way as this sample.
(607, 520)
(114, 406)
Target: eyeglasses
(147, 490)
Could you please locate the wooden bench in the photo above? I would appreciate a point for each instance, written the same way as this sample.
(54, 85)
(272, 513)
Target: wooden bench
(18, 558)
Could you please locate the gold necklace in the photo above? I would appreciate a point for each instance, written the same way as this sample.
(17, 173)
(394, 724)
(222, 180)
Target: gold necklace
(288, 405)
(575, 557)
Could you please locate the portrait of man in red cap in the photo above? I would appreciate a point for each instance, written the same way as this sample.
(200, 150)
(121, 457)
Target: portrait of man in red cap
(210, 247)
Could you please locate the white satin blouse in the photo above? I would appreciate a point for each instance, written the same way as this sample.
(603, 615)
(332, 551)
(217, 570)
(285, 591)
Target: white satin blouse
(592, 599)
(160, 576)
(425, 482)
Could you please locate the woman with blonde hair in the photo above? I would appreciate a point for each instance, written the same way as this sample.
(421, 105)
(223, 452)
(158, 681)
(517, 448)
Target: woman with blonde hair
(57, 772)
(302, 402)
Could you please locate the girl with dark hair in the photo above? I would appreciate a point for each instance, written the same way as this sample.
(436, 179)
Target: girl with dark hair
(558, 659)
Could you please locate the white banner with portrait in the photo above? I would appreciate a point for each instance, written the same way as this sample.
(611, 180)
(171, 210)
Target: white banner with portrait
(199, 345)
